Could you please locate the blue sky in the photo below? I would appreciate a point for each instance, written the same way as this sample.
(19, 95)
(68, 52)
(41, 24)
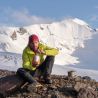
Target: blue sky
(26, 12)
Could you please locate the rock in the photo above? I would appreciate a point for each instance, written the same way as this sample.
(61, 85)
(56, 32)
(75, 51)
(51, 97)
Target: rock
(87, 78)
(52, 87)
(55, 94)
(87, 93)
(62, 87)
(9, 84)
(79, 85)
(77, 79)
(72, 74)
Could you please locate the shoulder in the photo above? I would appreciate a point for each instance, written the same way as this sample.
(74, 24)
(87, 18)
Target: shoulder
(26, 49)
(42, 45)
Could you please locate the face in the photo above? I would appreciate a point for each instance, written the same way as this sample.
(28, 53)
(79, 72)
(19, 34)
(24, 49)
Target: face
(34, 45)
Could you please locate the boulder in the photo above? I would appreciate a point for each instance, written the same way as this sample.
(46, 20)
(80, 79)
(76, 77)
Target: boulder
(9, 84)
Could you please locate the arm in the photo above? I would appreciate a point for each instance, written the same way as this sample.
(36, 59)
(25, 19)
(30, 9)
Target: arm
(26, 61)
(50, 51)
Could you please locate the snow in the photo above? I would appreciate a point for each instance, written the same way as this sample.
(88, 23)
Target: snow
(81, 22)
(73, 37)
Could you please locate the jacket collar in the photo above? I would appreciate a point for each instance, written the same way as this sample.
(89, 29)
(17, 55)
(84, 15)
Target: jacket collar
(29, 51)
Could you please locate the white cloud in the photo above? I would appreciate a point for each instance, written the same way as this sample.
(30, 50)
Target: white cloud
(23, 17)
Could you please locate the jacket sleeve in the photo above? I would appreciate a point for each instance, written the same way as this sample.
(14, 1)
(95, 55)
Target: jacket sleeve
(26, 61)
(51, 51)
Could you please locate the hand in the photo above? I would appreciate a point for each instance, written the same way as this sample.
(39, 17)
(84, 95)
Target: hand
(35, 64)
(40, 51)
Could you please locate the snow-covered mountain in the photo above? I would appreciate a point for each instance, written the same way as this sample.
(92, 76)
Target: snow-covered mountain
(70, 36)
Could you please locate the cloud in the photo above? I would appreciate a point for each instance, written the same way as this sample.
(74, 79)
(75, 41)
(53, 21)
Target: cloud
(24, 17)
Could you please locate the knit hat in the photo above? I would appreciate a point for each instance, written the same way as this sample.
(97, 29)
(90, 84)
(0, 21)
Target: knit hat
(33, 38)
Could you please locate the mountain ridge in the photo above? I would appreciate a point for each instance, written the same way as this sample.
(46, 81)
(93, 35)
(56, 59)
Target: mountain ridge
(66, 35)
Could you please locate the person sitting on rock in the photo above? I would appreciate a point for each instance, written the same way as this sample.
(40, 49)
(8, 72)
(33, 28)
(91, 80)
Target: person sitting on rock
(34, 61)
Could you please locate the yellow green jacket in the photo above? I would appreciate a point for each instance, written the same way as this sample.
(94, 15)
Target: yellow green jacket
(28, 55)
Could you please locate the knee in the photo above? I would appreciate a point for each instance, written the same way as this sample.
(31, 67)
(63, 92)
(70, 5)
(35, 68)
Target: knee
(51, 57)
(20, 70)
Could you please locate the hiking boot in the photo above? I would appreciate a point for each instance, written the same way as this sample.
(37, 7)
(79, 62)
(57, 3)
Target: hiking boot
(47, 80)
(33, 87)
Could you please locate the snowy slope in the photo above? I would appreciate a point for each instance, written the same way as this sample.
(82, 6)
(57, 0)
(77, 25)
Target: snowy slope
(70, 36)
(10, 61)
(88, 56)
(67, 35)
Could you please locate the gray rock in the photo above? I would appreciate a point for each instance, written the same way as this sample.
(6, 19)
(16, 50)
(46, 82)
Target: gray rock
(79, 85)
(62, 87)
(87, 93)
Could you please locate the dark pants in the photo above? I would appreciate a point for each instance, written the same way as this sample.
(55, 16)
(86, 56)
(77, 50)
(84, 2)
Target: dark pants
(44, 70)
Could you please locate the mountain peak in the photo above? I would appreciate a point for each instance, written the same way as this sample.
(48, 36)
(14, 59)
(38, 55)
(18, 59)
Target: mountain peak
(79, 21)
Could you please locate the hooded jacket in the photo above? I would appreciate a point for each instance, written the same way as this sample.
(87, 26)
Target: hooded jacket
(28, 55)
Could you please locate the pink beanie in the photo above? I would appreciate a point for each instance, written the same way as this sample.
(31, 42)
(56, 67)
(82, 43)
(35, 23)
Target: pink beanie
(33, 38)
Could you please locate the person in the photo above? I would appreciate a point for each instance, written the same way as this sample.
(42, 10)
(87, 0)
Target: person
(34, 62)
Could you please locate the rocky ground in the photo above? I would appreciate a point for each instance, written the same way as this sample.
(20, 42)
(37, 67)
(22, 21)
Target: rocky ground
(62, 87)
